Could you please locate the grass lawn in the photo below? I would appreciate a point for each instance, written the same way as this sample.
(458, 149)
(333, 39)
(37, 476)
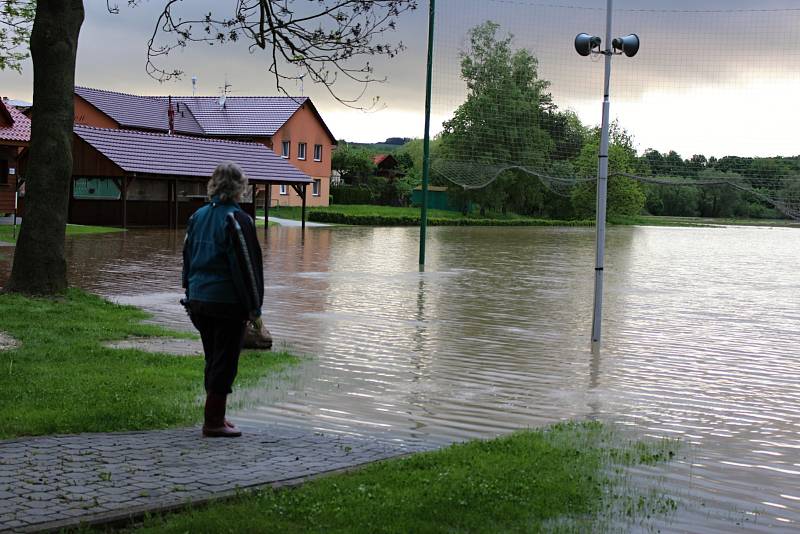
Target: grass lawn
(371, 215)
(564, 478)
(7, 231)
(651, 220)
(260, 222)
(62, 380)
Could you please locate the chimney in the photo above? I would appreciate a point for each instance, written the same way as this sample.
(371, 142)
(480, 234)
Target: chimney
(170, 115)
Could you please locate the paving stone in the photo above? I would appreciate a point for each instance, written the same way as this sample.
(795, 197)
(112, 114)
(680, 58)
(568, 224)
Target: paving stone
(82, 476)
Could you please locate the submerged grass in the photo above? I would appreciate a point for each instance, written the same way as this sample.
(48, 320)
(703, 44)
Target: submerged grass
(7, 231)
(370, 215)
(565, 478)
(63, 380)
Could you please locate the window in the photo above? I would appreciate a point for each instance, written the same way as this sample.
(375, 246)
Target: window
(3, 171)
(286, 148)
(315, 187)
(283, 190)
(317, 152)
(95, 189)
(301, 151)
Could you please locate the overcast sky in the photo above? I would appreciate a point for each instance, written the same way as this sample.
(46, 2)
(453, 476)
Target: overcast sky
(714, 83)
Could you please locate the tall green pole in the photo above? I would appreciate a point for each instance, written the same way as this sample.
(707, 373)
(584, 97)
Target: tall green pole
(426, 144)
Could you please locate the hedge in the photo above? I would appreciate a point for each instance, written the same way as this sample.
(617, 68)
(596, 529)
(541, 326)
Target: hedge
(333, 217)
(345, 194)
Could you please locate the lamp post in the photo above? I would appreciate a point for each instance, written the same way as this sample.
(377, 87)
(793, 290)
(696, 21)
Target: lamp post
(586, 45)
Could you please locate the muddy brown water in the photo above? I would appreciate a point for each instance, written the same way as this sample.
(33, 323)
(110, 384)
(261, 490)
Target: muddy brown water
(701, 342)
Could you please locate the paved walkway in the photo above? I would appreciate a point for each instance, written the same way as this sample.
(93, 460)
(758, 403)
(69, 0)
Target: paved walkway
(292, 222)
(48, 483)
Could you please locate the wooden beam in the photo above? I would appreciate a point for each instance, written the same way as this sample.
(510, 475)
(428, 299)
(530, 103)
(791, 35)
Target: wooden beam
(124, 194)
(303, 213)
(71, 197)
(301, 191)
(175, 187)
(267, 202)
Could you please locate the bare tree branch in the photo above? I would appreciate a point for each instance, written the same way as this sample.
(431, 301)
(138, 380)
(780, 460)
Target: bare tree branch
(326, 40)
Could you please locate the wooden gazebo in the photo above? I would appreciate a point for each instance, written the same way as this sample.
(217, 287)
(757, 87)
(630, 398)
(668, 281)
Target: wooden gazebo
(133, 178)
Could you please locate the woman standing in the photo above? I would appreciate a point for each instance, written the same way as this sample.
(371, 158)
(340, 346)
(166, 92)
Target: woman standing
(224, 281)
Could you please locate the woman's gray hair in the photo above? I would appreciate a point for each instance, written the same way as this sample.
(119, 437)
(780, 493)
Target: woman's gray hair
(228, 182)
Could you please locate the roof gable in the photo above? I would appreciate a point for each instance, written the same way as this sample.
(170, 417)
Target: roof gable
(144, 112)
(179, 155)
(240, 116)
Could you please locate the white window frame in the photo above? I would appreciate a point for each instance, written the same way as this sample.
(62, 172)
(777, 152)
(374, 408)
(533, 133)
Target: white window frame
(286, 149)
(317, 150)
(302, 149)
(283, 189)
(316, 187)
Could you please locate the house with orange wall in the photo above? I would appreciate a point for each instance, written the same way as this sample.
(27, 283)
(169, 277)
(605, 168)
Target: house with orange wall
(290, 126)
(15, 134)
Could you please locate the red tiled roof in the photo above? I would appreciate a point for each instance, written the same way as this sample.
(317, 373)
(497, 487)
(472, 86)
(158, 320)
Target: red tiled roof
(242, 116)
(380, 158)
(20, 128)
(180, 155)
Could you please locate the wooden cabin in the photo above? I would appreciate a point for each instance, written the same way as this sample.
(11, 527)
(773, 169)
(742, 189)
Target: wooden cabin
(15, 134)
(136, 178)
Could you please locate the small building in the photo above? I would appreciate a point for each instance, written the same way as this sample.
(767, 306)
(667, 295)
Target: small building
(15, 134)
(137, 178)
(438, 199)
(289, 126)
(386, 166)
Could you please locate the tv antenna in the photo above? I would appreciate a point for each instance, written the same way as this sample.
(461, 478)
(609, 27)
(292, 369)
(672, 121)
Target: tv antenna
(225, 90)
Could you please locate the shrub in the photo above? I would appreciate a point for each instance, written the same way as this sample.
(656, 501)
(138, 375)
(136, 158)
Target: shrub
(405, 220)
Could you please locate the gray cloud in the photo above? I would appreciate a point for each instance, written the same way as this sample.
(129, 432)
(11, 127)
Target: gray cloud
(680, 52)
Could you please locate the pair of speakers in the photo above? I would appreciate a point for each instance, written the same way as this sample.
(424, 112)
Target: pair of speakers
(628, 45)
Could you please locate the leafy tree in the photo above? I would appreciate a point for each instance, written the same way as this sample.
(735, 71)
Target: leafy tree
(353, 164)
(719, 201)
(16, 18)
(331, 39)
(677, 201)
(625, 195)
(501, 121)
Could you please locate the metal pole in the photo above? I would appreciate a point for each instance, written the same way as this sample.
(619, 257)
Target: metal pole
(426, 144)
(602, 189)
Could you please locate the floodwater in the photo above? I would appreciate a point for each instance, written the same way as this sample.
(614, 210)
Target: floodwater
(701, 342)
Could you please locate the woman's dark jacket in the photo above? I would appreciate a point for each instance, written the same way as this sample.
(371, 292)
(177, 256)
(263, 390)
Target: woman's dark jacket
(222, 258)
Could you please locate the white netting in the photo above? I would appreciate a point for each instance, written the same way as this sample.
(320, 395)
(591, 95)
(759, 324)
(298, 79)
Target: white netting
(704, 115)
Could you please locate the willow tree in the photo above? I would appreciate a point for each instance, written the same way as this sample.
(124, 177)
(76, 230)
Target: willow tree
(327, 40)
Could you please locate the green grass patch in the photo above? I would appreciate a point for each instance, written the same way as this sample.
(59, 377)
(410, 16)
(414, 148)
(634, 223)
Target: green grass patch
(63, 380)
(7, 231)
(260, 223)
(567, 477)
(369, 215)
(698, 222)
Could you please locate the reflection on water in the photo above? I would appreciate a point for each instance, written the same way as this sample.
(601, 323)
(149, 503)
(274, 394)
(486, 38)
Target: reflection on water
(701, 337)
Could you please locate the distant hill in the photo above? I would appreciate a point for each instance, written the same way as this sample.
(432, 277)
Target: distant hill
(387, 147)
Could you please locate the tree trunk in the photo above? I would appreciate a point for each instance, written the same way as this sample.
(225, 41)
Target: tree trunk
(39, 264)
